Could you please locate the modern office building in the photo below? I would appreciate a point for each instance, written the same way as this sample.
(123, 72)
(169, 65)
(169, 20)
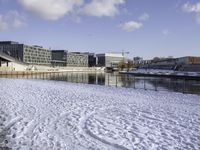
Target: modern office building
(28, 54)
(109, 59)
(91, 60)
(12, 49)
(37, 55)
(59, 58)
(77, 59)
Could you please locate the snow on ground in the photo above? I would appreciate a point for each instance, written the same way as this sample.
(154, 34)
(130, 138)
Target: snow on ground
(37, 114)
(151, 71)
(165, 72)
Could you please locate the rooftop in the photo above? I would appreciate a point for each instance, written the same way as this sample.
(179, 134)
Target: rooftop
(8, 42)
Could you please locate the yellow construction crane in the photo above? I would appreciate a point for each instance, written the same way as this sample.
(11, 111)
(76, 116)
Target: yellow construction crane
(124, 52)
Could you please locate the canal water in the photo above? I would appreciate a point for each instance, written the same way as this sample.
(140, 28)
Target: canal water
(119, 80)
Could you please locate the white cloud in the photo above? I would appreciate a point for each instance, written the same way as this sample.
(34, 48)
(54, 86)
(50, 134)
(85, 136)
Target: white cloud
(192, 7)
(100, 8)
(131, 26)
(50, 9)
(56, 9)
(144, 17)
(11, 20)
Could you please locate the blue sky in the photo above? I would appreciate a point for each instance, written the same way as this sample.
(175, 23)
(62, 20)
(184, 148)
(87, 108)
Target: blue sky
(145, 28)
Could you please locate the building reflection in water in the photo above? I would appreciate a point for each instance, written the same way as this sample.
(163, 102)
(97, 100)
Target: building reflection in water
(119, 80)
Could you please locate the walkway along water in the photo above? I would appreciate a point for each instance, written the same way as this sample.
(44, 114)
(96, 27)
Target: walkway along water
(183, 85)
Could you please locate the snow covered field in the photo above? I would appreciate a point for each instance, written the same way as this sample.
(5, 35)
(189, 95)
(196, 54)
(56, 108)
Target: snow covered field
(45, 115)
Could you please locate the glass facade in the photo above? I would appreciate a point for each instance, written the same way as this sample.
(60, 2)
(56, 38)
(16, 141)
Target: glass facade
(36, 55)
(27, 54)
(77, 60)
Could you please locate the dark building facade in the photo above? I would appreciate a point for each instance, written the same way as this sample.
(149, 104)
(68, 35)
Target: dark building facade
(59, 58)
(12, 49)
(91, 60)
(25, 53)
(101, 60)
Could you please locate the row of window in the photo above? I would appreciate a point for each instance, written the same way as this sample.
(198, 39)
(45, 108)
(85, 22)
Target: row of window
(37, 51)
(37, 56)
(35, 48)
(36, 61)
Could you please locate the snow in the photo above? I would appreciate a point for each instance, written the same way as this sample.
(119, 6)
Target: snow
(38, 114)
(165, 72)
(151, 71)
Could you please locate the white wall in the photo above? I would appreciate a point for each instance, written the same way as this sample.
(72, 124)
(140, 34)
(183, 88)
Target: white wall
(12, 66)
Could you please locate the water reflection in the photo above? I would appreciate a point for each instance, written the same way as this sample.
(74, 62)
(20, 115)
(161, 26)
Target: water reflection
(119, 80)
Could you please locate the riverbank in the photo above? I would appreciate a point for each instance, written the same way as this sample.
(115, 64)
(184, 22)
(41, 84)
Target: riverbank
(42, 68)
(164, 74)
(52, 70)
(60, 115)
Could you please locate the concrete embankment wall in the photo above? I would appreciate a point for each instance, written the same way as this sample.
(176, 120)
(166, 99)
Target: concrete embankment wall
(25, 69)
(73, 69)
(12, 66)
(18, 66)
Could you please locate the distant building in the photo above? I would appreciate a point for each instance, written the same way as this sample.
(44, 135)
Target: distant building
(137, 60)
(91, 60)
(188, 60)
(59, 58)
(109, 59)
(77, 59)
(25, 53)
(101, 60)
(188, 63)
(166, 61)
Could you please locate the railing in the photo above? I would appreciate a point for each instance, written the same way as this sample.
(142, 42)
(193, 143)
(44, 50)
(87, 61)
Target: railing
(117, 80)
